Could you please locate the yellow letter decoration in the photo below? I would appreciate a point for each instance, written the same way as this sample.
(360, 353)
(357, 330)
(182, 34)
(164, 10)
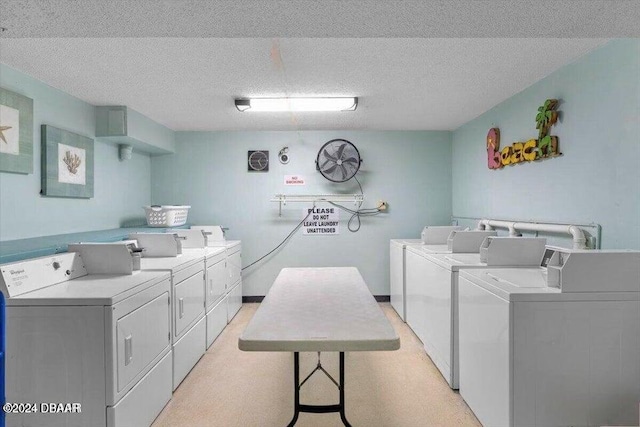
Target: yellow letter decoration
(545, 146)
(516, 157)
(530, 152)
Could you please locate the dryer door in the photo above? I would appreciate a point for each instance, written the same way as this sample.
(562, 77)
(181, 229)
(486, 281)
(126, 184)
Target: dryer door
(234, 267)
(141, 336)
(216, 282)
(189, 302)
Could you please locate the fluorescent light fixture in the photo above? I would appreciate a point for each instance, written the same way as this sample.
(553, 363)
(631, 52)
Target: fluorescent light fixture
(297, 104)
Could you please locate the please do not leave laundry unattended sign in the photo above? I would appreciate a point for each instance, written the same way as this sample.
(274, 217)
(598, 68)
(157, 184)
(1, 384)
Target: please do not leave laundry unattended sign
(321, 221)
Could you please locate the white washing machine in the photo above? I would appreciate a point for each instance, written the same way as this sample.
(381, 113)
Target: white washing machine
(432, 292)
(557, 345)
(187, 270)
(434, 239)
(85, 328)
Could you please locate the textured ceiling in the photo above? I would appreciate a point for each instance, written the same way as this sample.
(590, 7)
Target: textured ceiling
(181, 62)
(313, 18)
(190, 84)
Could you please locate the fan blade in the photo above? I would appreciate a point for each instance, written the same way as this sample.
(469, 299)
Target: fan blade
(331, 169)
(328, 156)
(340, 151)
(344, 172)
(324, 164)
(350, 160)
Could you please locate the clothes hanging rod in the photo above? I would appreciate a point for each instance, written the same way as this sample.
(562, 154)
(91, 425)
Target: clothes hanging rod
(312, 198)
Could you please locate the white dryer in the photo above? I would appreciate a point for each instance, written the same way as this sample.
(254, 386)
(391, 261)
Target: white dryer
(187, 270)
(556, 345)
(215, 292)
(233, 253)
(432, 292)
(200, 237)
(397, 268)
(434, 239)
(76, 333)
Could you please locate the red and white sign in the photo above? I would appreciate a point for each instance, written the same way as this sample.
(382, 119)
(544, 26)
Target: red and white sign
(294, 180)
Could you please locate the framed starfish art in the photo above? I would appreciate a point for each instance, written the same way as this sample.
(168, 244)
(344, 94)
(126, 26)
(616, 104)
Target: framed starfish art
(67, 164)
(16, 132)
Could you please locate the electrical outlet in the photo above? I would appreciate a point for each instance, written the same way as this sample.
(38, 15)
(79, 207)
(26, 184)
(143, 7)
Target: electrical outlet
(382, 205)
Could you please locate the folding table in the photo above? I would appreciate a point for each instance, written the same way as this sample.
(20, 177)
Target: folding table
(315, 310)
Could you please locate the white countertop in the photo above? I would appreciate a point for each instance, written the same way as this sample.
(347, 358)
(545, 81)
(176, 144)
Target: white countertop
(319, 309)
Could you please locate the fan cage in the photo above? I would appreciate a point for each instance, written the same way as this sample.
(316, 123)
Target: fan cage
(326, 160)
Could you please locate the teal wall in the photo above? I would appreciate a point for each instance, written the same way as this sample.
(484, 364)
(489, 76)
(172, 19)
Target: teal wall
(597, 179)
(409, 170)
(425, 176)
(121, 188)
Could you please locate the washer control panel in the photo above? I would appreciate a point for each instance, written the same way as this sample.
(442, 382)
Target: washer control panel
(28, 276)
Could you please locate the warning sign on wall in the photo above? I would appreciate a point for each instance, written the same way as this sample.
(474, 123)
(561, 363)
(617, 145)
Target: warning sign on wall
(321, 220)
(294, 180)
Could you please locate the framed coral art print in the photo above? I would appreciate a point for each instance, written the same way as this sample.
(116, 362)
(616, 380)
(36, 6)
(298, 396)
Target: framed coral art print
(67, 164)
(16, 132)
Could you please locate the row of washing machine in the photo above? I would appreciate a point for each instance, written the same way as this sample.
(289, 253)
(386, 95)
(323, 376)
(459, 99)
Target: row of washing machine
(531, 335)
(100, 327)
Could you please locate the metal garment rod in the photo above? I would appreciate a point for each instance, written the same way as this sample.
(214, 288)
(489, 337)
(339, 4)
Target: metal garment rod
(316, 409)
(312, 198)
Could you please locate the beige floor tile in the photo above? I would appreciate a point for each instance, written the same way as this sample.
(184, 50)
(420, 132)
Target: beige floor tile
(229, 387)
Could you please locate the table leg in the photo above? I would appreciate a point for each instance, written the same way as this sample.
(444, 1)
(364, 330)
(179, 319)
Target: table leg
(317, 409)
(343, 416)
(296, 388)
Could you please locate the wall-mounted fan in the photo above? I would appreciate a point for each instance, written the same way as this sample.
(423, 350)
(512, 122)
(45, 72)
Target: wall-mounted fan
(338, 160)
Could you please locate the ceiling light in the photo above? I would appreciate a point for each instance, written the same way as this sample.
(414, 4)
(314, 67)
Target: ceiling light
(297, 104)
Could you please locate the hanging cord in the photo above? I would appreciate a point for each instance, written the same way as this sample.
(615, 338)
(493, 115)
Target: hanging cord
(285, 240)
(354, 219)
(358, 212)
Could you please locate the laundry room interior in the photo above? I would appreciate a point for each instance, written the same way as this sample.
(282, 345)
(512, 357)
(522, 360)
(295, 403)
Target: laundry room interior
(430, 211)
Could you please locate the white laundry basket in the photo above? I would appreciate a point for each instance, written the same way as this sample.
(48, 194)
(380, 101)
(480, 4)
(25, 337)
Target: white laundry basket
(166, 216)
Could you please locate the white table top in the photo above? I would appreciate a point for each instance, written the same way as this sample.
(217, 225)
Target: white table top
(319, 309)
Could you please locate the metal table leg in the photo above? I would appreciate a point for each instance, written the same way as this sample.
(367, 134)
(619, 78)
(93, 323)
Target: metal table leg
(317, 409)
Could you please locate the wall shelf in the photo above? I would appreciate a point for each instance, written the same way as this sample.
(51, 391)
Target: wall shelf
(283, 199)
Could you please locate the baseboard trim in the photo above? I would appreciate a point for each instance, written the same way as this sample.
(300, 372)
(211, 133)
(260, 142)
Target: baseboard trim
(259, 298)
